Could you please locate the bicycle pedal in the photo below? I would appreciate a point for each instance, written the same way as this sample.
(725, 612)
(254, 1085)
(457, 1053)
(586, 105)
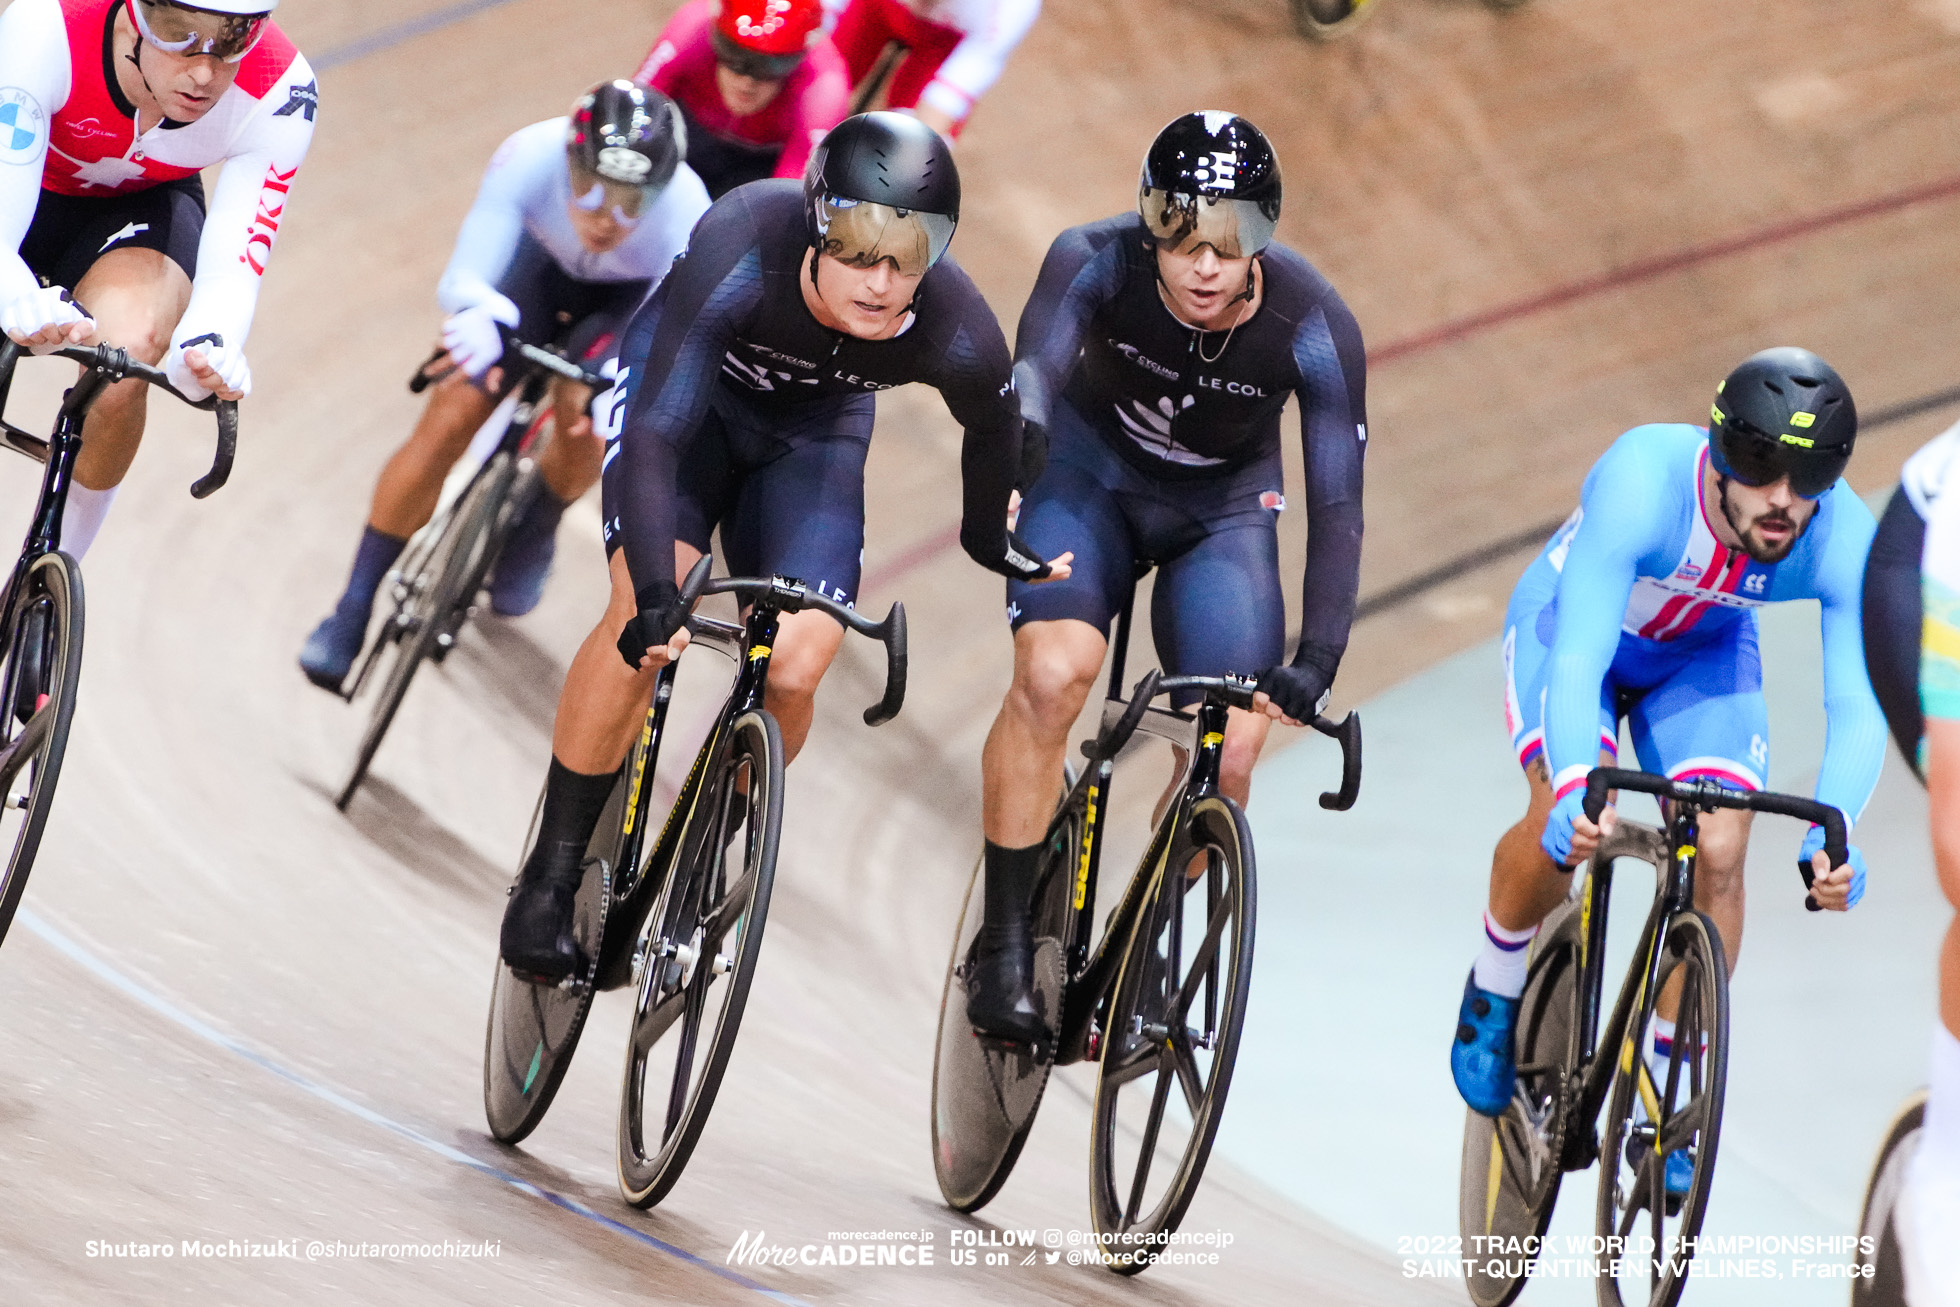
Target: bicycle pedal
(1041, 1052)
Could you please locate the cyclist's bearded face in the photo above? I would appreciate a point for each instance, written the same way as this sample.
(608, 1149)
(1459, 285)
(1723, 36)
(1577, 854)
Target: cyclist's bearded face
(1769, 519)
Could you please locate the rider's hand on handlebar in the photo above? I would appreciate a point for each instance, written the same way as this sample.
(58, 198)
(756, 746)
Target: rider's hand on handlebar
(208, 369)
(1835, 891)
(472, 336)
(45, 319)
(1570, 838)
(1297, 692)
(655, 636)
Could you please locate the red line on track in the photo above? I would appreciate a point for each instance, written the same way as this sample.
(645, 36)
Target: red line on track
(1661, 265)
(1632, 274)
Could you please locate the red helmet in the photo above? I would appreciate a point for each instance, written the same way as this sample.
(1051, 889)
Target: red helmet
(770, 27)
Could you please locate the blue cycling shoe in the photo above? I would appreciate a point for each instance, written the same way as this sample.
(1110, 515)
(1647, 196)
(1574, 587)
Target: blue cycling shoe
(1680, 1172)
(1481, 1059)
(517, 585)
(329, 653)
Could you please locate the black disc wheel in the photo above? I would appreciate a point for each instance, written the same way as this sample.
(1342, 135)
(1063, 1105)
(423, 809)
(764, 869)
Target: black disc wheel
(534, 1029)
(38, 682)
(699, 959)
(1654, 1115)
(1329, 20)
(1171, 1035)
(1884, 1283)
(984, 1093)
(432, 599)
(1511, 1170)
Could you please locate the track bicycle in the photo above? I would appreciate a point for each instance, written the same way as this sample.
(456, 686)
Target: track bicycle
(434, 588)
(41, 616)
(1883, 1282)
(1157, 1002)
(678, 915)
(1570, 1067)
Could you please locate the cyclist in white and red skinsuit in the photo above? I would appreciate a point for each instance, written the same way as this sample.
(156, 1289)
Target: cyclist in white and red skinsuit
(109, 109)
(954, 50)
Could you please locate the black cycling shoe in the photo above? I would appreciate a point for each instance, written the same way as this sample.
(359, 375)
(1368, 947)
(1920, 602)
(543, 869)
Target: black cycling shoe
(537, 940)
(1000, 988)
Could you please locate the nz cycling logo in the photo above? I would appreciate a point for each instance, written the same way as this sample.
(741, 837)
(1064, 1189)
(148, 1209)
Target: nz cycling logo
(757, 377)
(1142, 360)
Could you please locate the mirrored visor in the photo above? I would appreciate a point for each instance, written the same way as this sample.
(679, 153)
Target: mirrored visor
(1236, 229)
(591, 192)
(189, 32)
(863, 235)
(1756, 458)
(753, 64)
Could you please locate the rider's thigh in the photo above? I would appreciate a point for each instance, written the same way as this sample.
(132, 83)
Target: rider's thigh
(1723, 844)
(805, 645)
(137, 297)
(1245, 736)
(1056, 664)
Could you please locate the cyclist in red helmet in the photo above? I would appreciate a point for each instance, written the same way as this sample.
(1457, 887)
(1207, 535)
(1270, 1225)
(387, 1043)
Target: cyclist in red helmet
(954, 51)
(758, 82)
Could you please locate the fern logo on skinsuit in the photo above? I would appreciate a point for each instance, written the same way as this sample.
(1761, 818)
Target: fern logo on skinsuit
(23, 126)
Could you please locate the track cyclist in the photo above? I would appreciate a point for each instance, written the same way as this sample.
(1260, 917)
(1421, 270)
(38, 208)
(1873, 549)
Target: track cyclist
(575, 221)
(1641, 605)
(1155, 354)
(1912, 645)
(758, 82)
(109, 109)
(745, 402)
(954, 50)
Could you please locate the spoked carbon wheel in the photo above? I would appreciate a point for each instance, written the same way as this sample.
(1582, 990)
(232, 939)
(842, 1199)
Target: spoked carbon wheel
(1171, 1036)
(533, 1029)
(42, 672)
(1884, 1284)
(1511, 1171)
(701, 952)
(1647, 1121)
(431, 603)
(984, 1094)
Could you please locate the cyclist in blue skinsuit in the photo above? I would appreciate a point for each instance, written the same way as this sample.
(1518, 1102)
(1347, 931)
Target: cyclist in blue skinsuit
(1641, 607)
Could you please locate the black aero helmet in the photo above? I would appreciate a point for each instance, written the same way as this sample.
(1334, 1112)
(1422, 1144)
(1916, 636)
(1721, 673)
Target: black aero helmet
(624, 141)
(1784, 412)
(1210, 178)
(882, 187)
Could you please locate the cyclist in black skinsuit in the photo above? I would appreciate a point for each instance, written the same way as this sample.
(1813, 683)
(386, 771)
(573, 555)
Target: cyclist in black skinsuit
(1156, 353)
(746, 390)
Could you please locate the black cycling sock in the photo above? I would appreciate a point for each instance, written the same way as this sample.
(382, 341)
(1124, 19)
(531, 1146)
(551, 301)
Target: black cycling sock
(373, 557)
(1010, 889)
(572, 803)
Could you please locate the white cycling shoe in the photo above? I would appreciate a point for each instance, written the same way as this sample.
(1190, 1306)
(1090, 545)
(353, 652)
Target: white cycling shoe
(1927, 1221)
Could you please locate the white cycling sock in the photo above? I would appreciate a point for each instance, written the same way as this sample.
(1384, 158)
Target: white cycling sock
(1504, 960)
(1939, 1140)
(1660, 1047)
(82, 517)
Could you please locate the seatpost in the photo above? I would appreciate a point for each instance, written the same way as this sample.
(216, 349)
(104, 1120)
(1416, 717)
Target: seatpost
(1121, 645)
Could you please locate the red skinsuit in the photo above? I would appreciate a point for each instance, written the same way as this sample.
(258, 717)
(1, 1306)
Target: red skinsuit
(813, 99)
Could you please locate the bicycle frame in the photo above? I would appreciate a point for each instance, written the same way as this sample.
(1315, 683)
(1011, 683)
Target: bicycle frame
(751, 645)
(1586, 1093)
(1090, 975)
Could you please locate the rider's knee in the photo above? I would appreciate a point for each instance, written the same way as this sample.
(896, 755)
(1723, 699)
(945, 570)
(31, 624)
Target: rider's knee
(1052, 681)
(1722, 846)
(794, 673)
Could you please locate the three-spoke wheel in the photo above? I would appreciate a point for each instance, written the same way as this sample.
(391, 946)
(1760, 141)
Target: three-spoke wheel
(43, 667)
(1668, 1119)
(1511, 1170)
(1171, 1034)
(534, 1028)
(984, 1092)
(699, 958)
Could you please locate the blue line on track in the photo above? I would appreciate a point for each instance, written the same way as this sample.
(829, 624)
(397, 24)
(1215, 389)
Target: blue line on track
(210, 1034)
(375, 42)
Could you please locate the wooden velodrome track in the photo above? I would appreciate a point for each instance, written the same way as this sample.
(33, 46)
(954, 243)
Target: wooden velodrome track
(230, 1013)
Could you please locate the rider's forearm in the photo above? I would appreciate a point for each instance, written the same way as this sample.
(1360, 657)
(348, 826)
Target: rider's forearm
(1854, 753)
(1330, 588)
(990, 462)
(34, 64)
(485, 245)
